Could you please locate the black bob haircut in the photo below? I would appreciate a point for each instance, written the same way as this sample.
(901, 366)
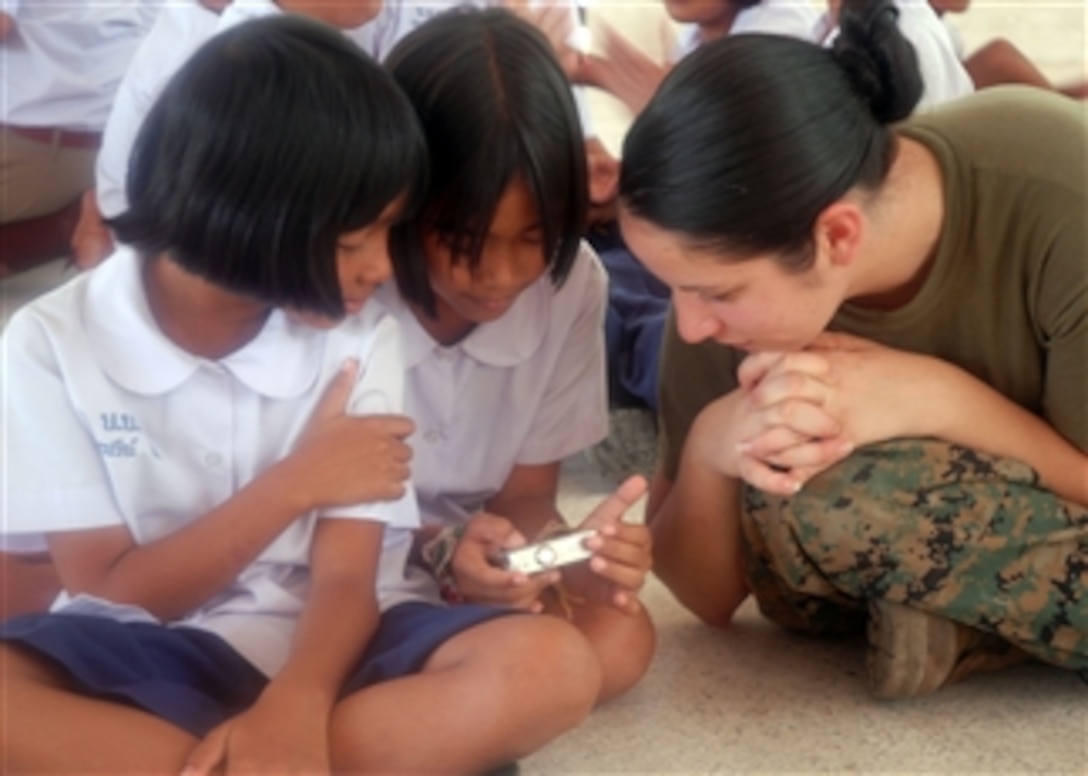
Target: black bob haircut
(494, 103)
(275, 138)
(751, 137)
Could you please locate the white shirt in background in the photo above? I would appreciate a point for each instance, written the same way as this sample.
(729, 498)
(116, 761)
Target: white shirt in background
(184, 25)
(775, 17)
(943, 74)
(63, 62)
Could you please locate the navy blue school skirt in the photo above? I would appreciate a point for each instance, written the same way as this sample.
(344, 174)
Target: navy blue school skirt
(195, 679)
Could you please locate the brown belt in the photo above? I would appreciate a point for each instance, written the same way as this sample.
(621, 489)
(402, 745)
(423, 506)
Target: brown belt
(65, 138)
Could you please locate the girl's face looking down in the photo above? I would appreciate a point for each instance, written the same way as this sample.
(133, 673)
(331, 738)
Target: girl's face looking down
(362, 264)
(752, 304)
(512, 259)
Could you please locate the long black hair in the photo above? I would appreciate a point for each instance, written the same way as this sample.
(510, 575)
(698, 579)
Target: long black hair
(752, 136)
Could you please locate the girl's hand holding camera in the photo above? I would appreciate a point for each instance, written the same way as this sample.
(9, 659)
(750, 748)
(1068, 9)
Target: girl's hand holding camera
(621, 553)
(616, 569)
(479, 575)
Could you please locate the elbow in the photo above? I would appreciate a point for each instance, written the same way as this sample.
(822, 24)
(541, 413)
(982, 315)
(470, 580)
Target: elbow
(714, 599)
(716, 611)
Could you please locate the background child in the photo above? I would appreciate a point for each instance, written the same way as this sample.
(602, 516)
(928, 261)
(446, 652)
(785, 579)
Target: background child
(502, 310)
(181, 28)
(375, 26)
(623, 70)
(62, 65)
(217, 475)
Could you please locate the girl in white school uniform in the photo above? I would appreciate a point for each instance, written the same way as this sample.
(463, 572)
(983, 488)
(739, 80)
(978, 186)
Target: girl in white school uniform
(502, 310)
(231, 536)
(624, 70)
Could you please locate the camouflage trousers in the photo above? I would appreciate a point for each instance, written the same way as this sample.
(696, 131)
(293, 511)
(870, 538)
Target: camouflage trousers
(959, 534)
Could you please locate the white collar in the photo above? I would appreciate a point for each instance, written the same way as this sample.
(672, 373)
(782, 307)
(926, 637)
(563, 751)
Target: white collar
(281, 362)
(243, 10)
(506, 342)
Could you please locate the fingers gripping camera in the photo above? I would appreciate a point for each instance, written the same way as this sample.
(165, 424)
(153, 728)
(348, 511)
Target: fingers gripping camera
(548, 554)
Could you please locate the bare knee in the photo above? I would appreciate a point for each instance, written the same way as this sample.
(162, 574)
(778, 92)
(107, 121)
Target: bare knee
(547, 657)
(624, 645)
(525, 678)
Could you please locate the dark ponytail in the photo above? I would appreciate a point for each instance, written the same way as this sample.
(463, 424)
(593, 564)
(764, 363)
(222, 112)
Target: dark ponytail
(751, 137)
(881, 64)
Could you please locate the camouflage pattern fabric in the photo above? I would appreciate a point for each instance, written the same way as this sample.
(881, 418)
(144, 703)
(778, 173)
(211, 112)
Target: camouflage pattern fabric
(957, 533)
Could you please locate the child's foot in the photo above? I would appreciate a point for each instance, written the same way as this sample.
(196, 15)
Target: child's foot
(914, 653)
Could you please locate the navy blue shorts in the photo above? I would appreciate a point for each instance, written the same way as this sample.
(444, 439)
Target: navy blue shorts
(195, 679)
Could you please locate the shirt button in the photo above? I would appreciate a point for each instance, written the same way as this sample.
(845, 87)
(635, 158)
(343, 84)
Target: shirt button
(212, 460)
(434, 436)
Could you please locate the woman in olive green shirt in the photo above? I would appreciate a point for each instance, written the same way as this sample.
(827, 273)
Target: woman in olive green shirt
(874, 389)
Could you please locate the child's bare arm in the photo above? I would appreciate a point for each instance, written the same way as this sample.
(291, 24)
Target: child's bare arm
(340, 460)
(340, 617)
(528, 498)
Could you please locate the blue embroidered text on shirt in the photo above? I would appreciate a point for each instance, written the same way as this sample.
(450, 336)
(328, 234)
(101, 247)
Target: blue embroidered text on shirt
(118, 421)
(118, 448)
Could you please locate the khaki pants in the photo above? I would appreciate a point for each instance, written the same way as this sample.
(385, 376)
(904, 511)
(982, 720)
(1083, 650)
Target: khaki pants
(39, 178)
(956, 533)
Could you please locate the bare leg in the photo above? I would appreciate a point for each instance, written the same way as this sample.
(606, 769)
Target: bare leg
(624, 644)
(1077, 90)
(49, 728)
(1000, 62)
(489, 695)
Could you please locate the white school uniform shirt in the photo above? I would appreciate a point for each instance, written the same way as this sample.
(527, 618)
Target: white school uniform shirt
(943, 74)
(65, 58)
(528, 388)
(111, 424)
(181, 28)
(180, 31)
(792, 18)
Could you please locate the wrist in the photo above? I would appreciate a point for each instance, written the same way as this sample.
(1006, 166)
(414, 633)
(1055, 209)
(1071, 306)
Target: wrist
(437, 554)
(712, 444)
(303, 696)
(288, 485)
(937, 407)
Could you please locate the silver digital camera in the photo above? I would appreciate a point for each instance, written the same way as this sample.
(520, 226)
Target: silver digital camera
(548, 554)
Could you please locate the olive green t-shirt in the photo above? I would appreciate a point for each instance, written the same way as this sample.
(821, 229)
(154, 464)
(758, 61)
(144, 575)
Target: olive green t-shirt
(1007, 295)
